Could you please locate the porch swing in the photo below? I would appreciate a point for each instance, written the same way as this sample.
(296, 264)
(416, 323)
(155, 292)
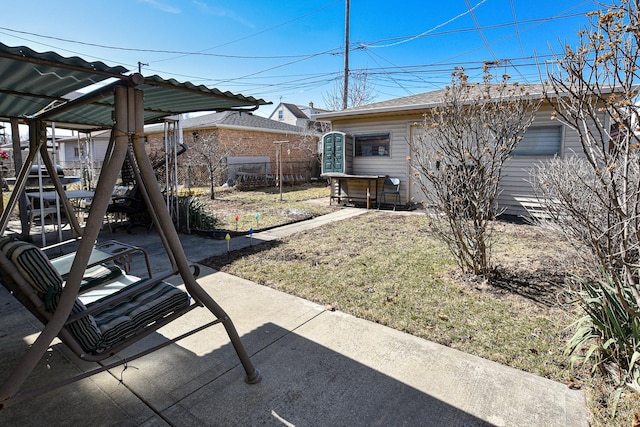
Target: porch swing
(136, 308)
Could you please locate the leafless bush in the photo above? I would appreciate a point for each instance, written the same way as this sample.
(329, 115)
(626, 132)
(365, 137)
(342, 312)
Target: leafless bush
(593, 91)
(577, 203)
(596, 199)
(459, 153)
(210, 151)
(360, 92)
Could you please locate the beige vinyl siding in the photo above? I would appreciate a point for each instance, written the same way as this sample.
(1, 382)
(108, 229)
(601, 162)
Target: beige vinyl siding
(416, 194)
(516, 189)
(395, 165)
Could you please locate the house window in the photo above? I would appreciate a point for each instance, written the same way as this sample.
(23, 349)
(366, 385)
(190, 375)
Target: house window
(372, 145)
(540, 141)
(280, 114)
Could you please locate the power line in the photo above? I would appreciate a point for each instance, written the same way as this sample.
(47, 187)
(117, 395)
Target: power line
(477, 23)
(400, 76)
(177, 52)
(504, 61)
(515, 23)
(265, 30)
(484, 39)
(370, 53)
(429, 31)
(466, 30)
(373, 44)
(58, 49)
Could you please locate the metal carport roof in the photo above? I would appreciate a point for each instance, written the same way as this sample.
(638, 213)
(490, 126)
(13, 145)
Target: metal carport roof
(37, 85)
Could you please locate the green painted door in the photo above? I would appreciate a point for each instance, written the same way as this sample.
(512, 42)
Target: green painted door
(333, 153)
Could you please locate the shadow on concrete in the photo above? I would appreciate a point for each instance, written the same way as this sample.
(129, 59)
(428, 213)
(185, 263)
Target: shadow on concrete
(304, 384)
(86, 402)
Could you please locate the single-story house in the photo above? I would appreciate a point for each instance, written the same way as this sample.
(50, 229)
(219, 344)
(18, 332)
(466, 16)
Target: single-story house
(82, 147)
(382, 131)
(242, 141)
(245, 143)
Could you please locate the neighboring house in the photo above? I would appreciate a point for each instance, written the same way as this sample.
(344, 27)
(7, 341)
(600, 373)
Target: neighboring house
(241, 139)
(382, 132)
(245, 143)
(298, 115)
(74, 149)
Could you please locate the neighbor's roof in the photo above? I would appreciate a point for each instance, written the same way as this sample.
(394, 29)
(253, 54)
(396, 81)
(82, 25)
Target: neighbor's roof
(297, 112)
(37, 85)
(421, 101)
(233, 119)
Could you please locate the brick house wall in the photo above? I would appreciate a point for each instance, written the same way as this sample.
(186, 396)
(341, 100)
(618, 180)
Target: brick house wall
(239, 142)
(216, 142)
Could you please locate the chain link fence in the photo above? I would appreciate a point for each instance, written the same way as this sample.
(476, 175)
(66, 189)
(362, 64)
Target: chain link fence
(188, 212)
(244, 175)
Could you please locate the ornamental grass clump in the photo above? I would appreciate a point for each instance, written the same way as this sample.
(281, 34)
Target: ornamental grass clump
(608, 336)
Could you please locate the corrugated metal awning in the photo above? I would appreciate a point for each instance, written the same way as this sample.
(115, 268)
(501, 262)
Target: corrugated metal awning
(38, 85)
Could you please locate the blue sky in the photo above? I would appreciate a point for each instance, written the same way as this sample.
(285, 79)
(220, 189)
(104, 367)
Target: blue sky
(293, 51)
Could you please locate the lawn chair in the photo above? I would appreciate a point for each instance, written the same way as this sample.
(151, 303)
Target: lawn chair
(36, 212)
(391, 186)
(131, 205)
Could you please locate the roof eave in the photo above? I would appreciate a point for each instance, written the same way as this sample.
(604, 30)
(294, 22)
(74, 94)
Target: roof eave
(390, 109)
(387, 110)
(371, 111)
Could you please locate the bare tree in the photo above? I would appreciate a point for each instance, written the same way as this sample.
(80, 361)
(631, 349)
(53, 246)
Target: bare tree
(595, 199)
(209, 149)
(307, 142)
(459, 155)
(360, 92)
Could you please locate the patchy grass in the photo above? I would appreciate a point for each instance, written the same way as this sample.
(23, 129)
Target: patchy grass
(266, 204)
(388, 268)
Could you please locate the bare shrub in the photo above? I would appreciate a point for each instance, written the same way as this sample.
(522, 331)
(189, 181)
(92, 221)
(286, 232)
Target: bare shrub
(596, 199)
(360, 92)
(459, 154)
(577, 202)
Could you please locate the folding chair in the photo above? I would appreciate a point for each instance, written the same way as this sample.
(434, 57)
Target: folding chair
(391, 186)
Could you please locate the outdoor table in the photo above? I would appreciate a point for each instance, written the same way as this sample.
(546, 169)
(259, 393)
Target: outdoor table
(340, 187)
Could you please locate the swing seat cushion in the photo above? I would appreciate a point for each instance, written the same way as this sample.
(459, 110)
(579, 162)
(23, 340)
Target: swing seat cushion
(102, 330)
(99, 275)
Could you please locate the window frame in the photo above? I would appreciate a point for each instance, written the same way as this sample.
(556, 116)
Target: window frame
(375, 144)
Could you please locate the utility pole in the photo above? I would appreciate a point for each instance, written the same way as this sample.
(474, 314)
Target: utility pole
(345, 85)
(140, 64)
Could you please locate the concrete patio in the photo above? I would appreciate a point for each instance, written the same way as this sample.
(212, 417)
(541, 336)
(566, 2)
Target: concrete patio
(319, 367)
